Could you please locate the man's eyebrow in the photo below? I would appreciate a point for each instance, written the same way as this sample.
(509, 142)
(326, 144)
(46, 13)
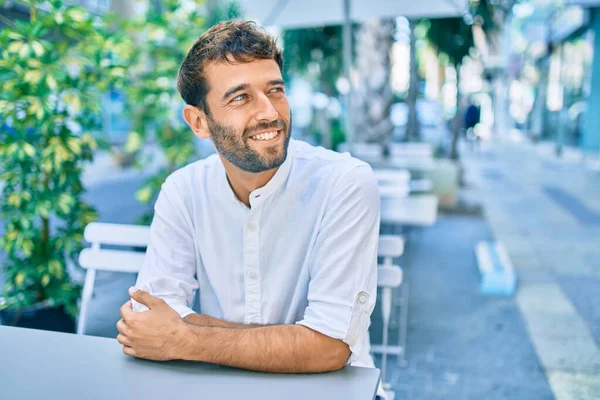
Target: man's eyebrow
(235, 89)
(276, 82)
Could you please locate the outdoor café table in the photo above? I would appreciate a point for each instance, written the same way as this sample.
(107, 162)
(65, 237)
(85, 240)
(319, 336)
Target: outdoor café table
(392, 176)
(409, 211)
(413, 164)
(38, 365)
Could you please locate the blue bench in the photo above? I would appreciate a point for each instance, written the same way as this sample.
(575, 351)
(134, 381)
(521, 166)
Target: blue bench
(498, 276)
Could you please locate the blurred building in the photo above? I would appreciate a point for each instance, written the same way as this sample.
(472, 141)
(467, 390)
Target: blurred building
(556, 58)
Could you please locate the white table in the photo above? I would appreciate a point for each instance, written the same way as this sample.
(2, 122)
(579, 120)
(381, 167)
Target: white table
(417, 164)
(38, 365)
(395, 191)
(409, 211)
(421, 185)
(391, 176)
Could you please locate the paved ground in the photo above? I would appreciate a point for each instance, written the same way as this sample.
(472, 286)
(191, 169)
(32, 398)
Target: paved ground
(547, 213)
(461, 344)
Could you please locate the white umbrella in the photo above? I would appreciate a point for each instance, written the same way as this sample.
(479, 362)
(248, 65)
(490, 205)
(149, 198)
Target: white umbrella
(307, 13)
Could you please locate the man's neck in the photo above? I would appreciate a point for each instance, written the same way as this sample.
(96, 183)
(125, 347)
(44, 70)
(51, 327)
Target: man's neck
(243, 183)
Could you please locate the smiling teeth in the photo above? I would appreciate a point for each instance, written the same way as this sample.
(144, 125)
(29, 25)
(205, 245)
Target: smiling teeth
(265, 136)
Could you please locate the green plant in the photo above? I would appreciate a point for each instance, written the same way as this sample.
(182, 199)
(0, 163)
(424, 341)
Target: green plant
(153, 103)
(52, 68)
(315, 49)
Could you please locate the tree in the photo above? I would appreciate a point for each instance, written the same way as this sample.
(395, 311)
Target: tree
(317, 54)
(412, 123)
(373, 96)
(453, 37)
(53, 69)
(316, 49)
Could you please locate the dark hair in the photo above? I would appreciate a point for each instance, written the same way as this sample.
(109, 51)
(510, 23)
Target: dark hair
(229, 41)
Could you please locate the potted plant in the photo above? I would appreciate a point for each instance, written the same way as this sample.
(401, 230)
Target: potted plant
(52, 69)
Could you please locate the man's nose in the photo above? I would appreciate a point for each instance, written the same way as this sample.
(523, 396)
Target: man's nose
(265, 110)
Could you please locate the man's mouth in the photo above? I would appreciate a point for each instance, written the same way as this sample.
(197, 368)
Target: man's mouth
(266, 136)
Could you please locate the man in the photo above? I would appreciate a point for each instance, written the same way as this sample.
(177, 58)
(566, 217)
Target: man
(279, 237)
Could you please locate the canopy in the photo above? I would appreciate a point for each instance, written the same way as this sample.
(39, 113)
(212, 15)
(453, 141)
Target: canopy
(307, 13)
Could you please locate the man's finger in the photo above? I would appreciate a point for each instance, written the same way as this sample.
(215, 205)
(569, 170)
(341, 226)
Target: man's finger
(127, 313)
(124, 340)
(122, 327)
(143, 297)
(129, 351)
(125, 308)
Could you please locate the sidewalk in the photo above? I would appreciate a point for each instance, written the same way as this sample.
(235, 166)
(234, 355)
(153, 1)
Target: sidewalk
(105, 170)
(546, 211)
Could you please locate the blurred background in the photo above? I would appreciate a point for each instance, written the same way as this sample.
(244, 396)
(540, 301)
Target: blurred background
(477, 116)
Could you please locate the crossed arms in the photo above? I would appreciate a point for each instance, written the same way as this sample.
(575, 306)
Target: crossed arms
(161, 334)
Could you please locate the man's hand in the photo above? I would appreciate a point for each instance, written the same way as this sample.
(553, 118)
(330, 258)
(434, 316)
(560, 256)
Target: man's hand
(152, 334)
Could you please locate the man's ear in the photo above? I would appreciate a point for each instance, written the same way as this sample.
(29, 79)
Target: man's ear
(196, 119)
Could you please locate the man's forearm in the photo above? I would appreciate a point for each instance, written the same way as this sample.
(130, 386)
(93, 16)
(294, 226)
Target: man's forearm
(205, 320)
(277, 348)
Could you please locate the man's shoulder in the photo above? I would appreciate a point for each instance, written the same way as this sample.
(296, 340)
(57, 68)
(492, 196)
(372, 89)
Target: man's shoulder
(193, 173)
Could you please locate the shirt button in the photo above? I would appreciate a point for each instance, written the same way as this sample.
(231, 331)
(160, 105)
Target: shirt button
(362, 299)
(252, 227)
(253, 275)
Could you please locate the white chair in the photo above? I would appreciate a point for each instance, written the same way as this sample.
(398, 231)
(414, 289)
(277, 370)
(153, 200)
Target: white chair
(390, 247)
(410, 150)
(98, 259)
(421, 186)
(392, 176)
(389, 277)
(394, 192)
(363, 151)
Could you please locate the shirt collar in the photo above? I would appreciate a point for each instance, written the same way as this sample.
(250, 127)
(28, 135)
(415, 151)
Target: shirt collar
(259, 195)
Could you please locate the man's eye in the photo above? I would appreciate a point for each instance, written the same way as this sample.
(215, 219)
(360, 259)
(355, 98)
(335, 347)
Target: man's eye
(277, 89)
(239, 97)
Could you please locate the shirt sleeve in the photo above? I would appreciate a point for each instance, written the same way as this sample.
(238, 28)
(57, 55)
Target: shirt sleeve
(169, 269)
(343, 272)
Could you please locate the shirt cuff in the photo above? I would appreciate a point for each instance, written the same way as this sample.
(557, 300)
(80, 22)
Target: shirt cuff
(337, 322)
(181, 309)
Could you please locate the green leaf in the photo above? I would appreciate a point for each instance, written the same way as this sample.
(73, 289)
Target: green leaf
(45, 280)
(51, 82)
(44, 211)
(134, 142)
(24, 51)
(15, 47)
(55, 268)
(144, 195)
(65, 203)
(14, 200)
(19, 279)
(27, 246)
(74, 146)
(29, 150)
(38, 49)
(15, 36)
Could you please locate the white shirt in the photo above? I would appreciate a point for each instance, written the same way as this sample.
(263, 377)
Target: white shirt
(304, 252)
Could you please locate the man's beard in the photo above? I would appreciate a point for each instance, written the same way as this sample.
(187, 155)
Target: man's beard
(235, 148)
